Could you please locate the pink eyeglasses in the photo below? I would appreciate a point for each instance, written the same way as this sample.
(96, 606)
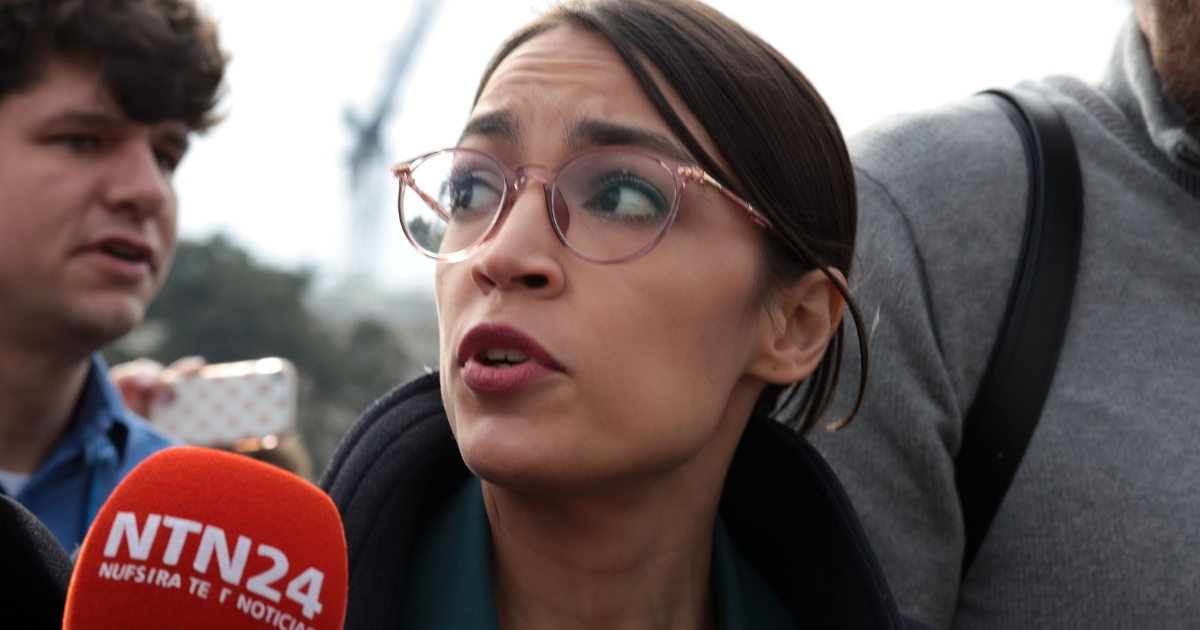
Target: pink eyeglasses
(609, 204)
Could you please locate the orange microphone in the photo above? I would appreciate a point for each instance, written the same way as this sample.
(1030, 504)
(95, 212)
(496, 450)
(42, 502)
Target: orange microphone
(198, 538)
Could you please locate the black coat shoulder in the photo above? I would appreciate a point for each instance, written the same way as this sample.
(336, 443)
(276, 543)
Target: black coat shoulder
(783, 506)
(396, 463)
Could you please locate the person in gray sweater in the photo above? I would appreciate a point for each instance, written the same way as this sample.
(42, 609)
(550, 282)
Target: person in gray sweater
(1101, 525)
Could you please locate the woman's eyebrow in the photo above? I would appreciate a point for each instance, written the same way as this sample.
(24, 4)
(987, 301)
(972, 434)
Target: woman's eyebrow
(589, 133)
(500, 125)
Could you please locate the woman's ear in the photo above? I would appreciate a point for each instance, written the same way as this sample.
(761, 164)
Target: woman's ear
(803, 317)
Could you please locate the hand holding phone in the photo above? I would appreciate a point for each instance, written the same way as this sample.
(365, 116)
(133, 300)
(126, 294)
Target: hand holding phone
(223, 404)
(142, 381)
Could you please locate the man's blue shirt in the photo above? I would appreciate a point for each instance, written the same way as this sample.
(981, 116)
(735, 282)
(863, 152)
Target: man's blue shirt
(103, 442)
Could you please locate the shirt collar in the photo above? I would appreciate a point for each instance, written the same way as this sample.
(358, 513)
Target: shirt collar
(98, 431)
(100, 422)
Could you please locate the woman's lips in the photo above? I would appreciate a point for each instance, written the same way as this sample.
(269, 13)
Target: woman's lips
(498, 358)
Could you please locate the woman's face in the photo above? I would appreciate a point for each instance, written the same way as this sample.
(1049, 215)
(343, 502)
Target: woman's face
(558, 372)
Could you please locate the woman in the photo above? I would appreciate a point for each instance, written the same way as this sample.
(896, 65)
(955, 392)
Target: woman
(643, 235)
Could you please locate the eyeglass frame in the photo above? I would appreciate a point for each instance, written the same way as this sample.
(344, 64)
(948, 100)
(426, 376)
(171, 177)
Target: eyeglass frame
(516, 177)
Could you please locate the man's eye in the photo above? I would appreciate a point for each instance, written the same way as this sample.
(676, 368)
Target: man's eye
(80, 142)
(167, 161)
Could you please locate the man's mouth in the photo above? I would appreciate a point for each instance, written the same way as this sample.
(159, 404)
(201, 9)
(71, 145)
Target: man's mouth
(125, 251)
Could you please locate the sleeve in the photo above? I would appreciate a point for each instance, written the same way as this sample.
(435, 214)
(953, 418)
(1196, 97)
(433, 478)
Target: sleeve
(941, 212)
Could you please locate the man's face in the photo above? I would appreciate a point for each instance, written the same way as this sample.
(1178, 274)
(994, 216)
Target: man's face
(1172, 28)
(87, 211)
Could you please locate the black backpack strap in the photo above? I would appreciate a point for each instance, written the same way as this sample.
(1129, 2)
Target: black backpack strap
(1009, 401)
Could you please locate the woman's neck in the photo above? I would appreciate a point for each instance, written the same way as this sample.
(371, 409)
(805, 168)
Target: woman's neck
(638, 556)
(599, 563)
(629, 555)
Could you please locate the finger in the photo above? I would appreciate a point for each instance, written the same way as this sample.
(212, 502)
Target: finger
(135, 395)
(136, 368)
(187, 365)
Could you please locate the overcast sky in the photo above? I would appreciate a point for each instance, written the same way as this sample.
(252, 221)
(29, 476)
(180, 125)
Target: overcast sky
(273, 176)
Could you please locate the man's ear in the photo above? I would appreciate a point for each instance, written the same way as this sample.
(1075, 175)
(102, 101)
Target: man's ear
(803, 317)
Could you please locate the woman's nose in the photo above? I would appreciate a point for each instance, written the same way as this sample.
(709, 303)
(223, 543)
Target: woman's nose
(524, 253)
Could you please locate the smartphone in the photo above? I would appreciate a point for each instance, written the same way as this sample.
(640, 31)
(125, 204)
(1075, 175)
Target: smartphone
(225, 404)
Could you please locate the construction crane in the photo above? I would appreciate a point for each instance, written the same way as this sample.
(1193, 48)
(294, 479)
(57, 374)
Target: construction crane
(368, 172)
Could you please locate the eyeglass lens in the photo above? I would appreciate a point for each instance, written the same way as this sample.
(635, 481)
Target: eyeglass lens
(607, 205)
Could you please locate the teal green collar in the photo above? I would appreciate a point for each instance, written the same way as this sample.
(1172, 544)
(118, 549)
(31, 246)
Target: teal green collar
(449, 580)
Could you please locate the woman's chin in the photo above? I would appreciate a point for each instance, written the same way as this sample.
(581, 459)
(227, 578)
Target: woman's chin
(525, 467)
(522, 449)
(538, 466)
(560, 470)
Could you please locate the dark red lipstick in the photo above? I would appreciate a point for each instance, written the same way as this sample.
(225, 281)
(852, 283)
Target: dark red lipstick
(499, 359)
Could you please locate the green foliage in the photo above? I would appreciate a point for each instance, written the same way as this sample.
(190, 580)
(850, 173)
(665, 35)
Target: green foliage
(220, 304)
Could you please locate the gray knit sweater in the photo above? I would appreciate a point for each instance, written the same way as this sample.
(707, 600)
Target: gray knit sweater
(1101, 526)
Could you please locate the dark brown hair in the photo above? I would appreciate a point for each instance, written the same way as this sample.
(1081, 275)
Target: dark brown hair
(160, 58)
(786, 154)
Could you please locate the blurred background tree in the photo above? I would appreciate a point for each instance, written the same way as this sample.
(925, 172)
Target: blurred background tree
(219, 303)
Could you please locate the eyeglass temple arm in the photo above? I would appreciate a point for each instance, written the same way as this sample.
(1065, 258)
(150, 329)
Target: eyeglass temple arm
(698, 175)
(401, 172)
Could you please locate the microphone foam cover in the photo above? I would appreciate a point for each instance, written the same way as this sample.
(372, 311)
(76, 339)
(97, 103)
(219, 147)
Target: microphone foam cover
(199, 538)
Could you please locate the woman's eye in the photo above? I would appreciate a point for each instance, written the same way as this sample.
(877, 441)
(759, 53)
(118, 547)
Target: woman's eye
(470, 193)
(628, 196)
